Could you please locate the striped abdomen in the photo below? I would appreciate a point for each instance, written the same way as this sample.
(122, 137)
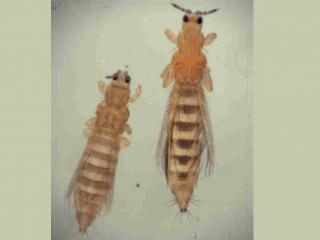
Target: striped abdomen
(96, 177)
(184, 147)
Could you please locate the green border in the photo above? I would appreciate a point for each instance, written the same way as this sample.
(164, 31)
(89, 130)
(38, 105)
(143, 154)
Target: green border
(286, 125)
(25, 98)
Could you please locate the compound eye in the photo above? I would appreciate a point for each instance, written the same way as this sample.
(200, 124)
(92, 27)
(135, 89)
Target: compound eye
(115, 77)
(128, 79)
(200, 20)
(185, 18)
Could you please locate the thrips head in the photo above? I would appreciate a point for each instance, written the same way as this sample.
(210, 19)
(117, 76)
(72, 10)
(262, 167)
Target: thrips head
(192, 23)
(120, 79)
(119, 92)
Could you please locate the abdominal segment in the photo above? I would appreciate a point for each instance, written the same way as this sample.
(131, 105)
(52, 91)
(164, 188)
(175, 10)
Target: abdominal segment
(184, 147)
(94, 187)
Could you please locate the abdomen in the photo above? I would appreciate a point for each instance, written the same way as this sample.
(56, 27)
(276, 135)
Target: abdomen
(184, 146)
(96, 177)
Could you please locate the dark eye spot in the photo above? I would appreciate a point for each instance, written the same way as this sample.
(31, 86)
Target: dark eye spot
(115, 77)
(200, 20)
(185, 18)
(128, 79)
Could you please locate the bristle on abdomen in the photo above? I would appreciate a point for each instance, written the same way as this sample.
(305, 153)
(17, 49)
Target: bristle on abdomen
(182, 171)
(96, 178)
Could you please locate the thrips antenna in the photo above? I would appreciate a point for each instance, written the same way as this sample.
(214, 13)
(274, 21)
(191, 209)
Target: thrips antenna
(206, 12)
(181, 8)
(188, 11)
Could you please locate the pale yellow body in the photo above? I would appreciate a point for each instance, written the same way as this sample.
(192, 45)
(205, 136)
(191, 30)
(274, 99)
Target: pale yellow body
(93, 181)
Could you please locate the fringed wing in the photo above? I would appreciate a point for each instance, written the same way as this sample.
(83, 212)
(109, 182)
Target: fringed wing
(162, 151)
(88, 131)
(76, 173)
(206, 137)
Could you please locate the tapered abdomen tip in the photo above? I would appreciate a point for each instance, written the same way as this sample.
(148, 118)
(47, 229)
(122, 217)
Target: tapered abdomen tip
(84, 221)
(183, 205)
(182, 198)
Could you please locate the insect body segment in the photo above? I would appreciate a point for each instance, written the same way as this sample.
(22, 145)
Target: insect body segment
(186, 132)
(92, 184)
(183, 162)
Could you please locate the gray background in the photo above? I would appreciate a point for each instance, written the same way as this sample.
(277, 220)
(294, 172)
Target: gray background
(93, 38)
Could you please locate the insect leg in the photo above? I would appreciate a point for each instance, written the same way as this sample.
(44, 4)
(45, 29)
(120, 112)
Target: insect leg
(209, 39)
(128, 129)
(124, 142)
(88, 131)
(207, 80)
(91, 122)
(167, 76)
(166, 72)
(103, 87)
(136, 95)
(171, 36)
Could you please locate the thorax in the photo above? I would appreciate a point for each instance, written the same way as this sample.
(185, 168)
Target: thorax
(112, 116)
(189, 61)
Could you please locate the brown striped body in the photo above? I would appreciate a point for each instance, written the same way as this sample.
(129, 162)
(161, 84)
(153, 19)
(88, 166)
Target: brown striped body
(96, 177)
(188, 64)
(93, 181)
(184, 145)
(186, 129)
